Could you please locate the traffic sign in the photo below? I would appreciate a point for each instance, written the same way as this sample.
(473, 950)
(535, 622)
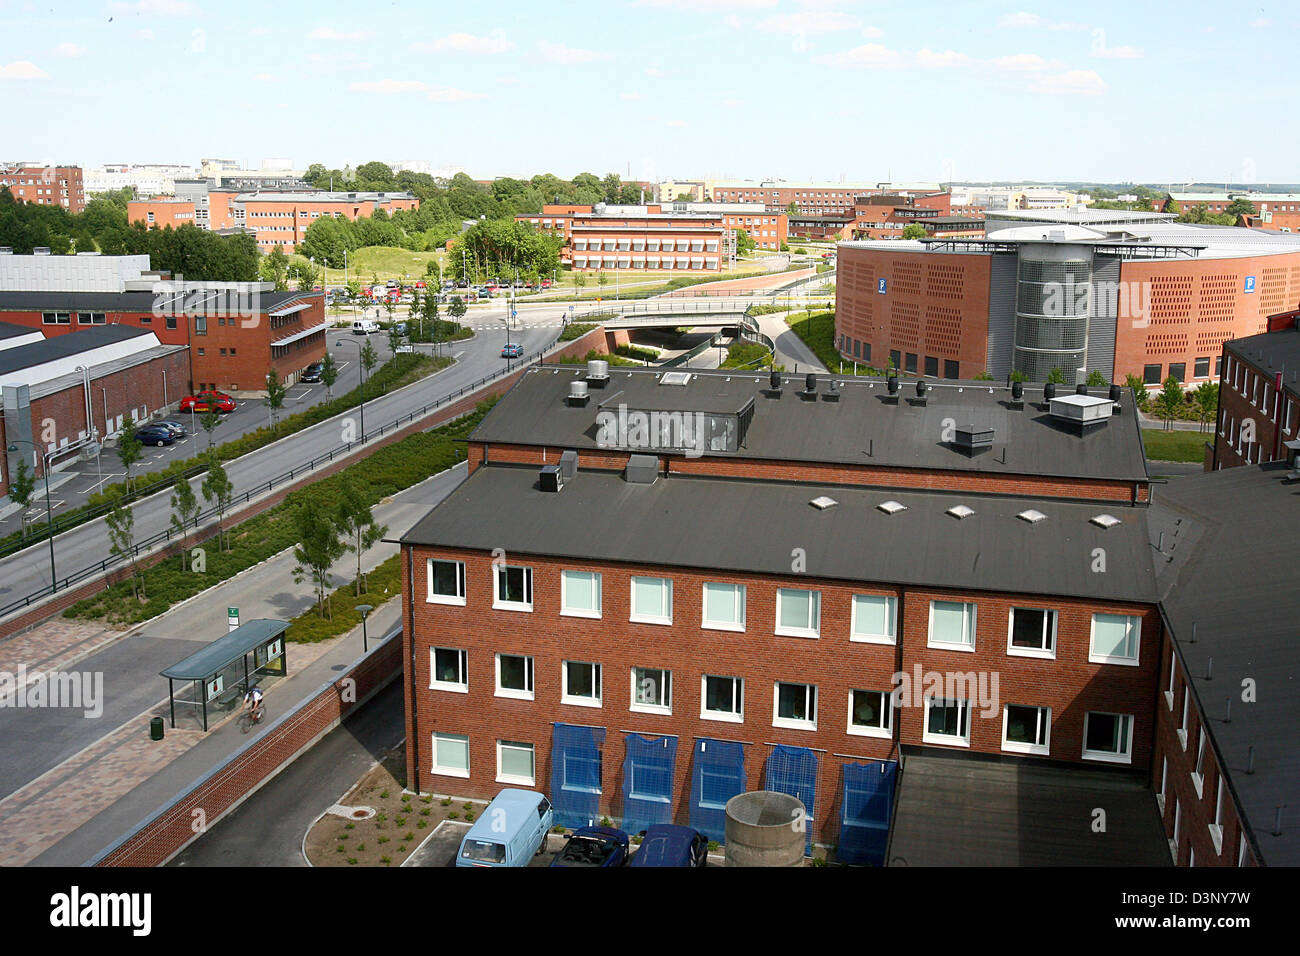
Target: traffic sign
(232, 617)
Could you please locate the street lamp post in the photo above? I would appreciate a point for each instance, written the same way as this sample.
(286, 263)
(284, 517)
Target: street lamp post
(92, 433)
(364, 610)
(338, 344)
(49, 513)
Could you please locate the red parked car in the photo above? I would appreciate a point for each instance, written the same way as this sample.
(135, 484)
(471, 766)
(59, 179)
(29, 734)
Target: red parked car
(206, 401)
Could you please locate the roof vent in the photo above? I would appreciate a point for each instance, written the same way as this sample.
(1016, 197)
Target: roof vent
(1081, 410)
(1031, 515)
(6, 250)
(821, 502)
(832, 393)
(597, 373)
(1105, 521)
(773, 389)
(578, 393)
(674, 378)
(641, 470)
(41, 251)
(960, 511)
(550, 478)
(1115, 393)
(1018, 395)
(568, 464)
(891, 507)
(972, 440)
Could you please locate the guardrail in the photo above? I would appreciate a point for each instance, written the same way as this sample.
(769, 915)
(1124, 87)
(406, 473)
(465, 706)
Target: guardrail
(165, 536)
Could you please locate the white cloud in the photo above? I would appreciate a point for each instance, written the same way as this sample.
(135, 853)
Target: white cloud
(948, 59)
(157, 8)
(144, 34)
(873, 33)
(1261, 23)
(697, 6)
(329, 33)
(494, 42)
(69, 49)
(1023, 20)
(22, 70)
(869, 56)
(677, 123)
(438, 94)
(654, 71)
(629, 96)
(809, 22)
(266, 78)
(1071, 83)
(1024, 62)
(568, 55)
(1118, 53)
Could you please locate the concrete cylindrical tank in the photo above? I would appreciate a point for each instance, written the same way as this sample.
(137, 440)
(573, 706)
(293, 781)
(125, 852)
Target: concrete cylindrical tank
(765, 828)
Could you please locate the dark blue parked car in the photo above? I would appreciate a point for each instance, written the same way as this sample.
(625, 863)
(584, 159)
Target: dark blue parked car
(155, 435)
(669, 845)
(593, 846)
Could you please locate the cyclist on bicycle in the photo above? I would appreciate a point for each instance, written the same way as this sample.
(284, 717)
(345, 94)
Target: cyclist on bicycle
(254, 698)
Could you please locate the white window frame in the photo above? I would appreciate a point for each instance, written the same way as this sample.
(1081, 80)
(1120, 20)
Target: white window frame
(1173, 671)
(1050, 621)
(1241, 849)
(1135, 626)
(567, 611)
(457, 687)
(1105, 756)
(597, 683)
(650, 618)
(860, 730)
(791, 723)
(952, 741)
(1182, 729)
(530, 676)
(738, 695)
(970, 628)
(666, 692)
(1018, 747)
(1164, 783)
(1198, 771)
(1216, 828)
(741, 599)
(430, 597)
(443, 771)
(863, 637)
(498, 603)
(814, 610)
(503, 777)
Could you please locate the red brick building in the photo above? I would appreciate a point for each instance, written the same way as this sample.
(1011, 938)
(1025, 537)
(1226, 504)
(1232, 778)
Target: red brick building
(1259, 398)
(46, 185)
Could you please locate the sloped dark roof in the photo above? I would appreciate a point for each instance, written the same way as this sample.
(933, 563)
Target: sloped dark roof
(113, 301)
(63, 346)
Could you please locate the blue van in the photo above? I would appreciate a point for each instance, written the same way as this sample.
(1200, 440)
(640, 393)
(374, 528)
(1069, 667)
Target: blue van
(511, 831)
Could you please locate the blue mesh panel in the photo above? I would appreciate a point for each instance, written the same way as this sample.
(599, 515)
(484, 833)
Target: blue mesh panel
(866, 811)
(648, 781)
(718, 775)
(576, 774)
(793, 770)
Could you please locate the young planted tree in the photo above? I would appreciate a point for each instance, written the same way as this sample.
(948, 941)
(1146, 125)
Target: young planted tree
(1056, 376)
(356, 520)
(129, 448)
(120, 523)
(1095, 378)
(457, 309)
(369, 359)
(275, 268)
(394, 340)
(185, 513)
(1169, 401)
(329, 374)
(429, 316)
(308, 276)
(1206, 398)
(209, 421)
(22, 484)
(218, 492)
(276, 391)
(1139, 389)
(319, 546)
(579, 280)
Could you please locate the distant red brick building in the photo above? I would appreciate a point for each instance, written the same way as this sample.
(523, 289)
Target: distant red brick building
(46, 185)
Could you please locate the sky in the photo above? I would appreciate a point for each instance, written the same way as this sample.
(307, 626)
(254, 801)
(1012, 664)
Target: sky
(826, 90)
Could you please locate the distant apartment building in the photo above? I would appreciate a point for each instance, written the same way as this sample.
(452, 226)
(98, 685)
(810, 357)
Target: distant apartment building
(610, 237)
(146, 179)
(886, 215)
(681, 191)
(768, 228)
(1276, 212)
(995, 198)
(45, 185)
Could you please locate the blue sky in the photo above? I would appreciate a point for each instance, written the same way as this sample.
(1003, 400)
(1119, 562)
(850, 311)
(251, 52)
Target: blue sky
(795, 89)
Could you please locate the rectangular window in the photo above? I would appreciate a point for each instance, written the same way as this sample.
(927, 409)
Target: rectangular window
(514, 589)
(450, 755)
(1115, 639)
(1201, 369)
(581, 684)
(1182, 727)
(450, 670)
(652, 690)
(1108, 737)
(446, 581)
(951, 369)
(1026, 730)
(1032, 632)
(798, 612)
(514, 676)
(724, 606)
(870, 713)
(1198, 774)
(947, 722)
(794, 706)
(872, 617)
(1173, 669)
(652, 600)
(1216, 828)
(723, 698)
(1178, 370)
(90, 318)
(952, 625)
(580, 593)
(932, 366)
(911, 361)
(515, 763)
(56, 318)
(1151, 374)
(895, 358)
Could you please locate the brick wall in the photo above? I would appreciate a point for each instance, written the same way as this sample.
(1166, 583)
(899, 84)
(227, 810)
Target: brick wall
(1248, 393)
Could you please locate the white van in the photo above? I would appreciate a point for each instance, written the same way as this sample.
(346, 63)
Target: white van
(364, 326)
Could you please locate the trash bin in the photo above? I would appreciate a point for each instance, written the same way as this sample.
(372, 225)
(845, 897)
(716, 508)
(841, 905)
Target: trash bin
(156, 728)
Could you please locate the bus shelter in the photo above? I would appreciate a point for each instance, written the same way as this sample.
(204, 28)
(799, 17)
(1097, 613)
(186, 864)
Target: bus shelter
(222, 672)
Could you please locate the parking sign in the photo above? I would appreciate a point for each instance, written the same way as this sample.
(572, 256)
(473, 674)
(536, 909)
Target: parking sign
(1250, 283)
(881, 286)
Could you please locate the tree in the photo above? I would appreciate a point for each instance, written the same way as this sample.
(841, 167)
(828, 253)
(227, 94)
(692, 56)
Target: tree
(308, 276)
(129, 448)
(744, 243)
(1206, 397)
(394, 340)
(275, 267)
(276, 390)
(579, 280)
(185, 512)
(1139, 389)
(318, 548)
(984, 376)
(457, 308)
(369, 358)
(209, 421)
(602, 280)
(218, 492)
(1241, 207)
(914, 230)
(1056, 376)
(329, 374)
(792, 208)
(120, 523)
(1095, 378)
(21, 485)
(1169, 401)
(357, 522)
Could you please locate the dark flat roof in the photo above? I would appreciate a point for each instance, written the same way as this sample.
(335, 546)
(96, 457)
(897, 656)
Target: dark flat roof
(858, 429)
(210, 660)
(8, 330)
(62, 346)
(113, 301)
(1229, 567)
(750, 526)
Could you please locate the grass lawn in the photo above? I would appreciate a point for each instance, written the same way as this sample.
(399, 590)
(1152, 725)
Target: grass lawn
(383, 262)
(1171, 445)
(818, 333)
